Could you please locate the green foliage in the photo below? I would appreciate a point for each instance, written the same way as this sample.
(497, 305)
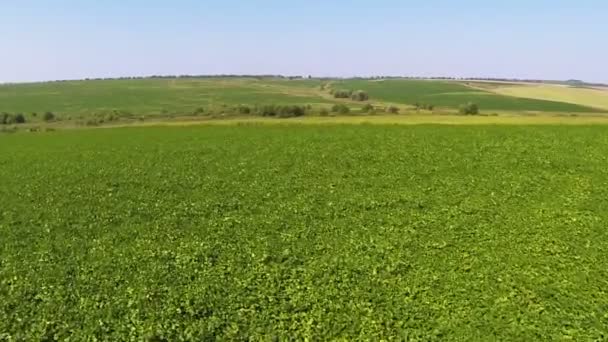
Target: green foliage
(424, 106)
(368, 108)
(340, 108)
(19, 118)
(430, 233)
(48, 116)
(323, 112)
(469, 109)
(359, 95)
(281, 111)
(6, 118)
(244, 110)
(392, 109)
(342, 93)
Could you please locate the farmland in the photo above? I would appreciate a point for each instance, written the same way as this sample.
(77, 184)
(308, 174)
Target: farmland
(597, 98)
(258, 231)
(102, 101)
(452, 94)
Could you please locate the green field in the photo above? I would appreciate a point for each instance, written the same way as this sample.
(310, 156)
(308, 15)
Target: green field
(283, 232)
(453, 94)
(153, 98)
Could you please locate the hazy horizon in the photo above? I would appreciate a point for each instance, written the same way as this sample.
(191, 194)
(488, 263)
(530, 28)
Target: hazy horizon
(68, 39)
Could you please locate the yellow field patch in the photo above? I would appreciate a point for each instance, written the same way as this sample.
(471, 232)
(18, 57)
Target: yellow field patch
(596, 98)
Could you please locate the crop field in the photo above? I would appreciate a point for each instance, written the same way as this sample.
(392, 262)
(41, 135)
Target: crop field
(155, 98)
(260, 232)
(452, 94)
(597, 98)
(152, 96)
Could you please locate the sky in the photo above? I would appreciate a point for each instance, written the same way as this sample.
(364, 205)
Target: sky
(74, 39)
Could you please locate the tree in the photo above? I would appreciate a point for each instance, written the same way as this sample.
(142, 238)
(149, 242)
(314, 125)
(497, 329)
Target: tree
(392, 109)
(340, 109)
(360, 95)
(48, 116)
(343, 94)
(368, 108)
(4, 118)
(19, 118)
(469, 108)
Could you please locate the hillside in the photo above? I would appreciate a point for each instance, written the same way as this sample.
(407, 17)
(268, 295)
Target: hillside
(162, 97)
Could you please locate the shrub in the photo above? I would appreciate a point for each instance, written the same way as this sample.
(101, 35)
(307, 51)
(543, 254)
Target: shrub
(4, 118)
(244, 110)
(48, 116)
(340, 109)
(110, 117)
(8, 119)
(282, 111)
(291, 111)
(469, 109)
(19, 118)
(392, 109)
(368, 108)
(343, 94)
(324, 112)
(199, 111)
(359, 95)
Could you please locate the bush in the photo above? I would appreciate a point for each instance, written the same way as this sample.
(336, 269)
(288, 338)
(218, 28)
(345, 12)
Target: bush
(199, 111)
(19, 118)
(48, 116)
(110, 117)
(359, 95)
(244, 110)
(291, 111)
(324, 112)
(340, 109)
(368, 108)
(4, 118)
(469, 109)
(392, 109)
(424, 106)
(343, 94)
(282, 111)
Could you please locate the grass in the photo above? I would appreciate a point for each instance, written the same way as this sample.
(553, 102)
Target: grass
(322, 232)
(582, 96)
(452, 94)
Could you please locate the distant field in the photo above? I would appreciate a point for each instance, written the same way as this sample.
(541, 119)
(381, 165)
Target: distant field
(338, 232)
(597, 98)
(152, 96)
(453, 94)
(147, 98)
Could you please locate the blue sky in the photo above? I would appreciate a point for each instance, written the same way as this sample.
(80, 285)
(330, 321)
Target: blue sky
(72, 39)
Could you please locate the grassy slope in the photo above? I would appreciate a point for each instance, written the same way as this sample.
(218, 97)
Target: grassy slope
(359, 232)
(583, 96)
(175, 96)
(452, 94)
(153, 97)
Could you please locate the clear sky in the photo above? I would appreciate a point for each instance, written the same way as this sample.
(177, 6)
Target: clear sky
(72, 39)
